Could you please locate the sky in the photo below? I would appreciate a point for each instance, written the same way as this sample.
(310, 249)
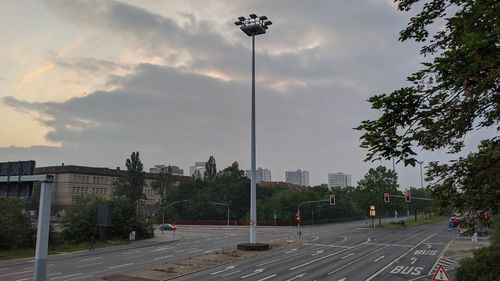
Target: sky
(86, 82)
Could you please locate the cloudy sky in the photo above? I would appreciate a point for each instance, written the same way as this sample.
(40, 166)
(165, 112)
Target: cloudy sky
(86, 82)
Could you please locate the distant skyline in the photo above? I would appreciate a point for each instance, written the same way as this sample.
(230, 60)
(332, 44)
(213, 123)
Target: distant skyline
(86, 82)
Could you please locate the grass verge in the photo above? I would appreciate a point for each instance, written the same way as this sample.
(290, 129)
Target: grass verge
(64, 248)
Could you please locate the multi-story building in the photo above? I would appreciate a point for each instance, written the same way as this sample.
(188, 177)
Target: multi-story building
(297, 177)
(157, 169)
(260, 174)
(198, 166)
(339, 179)
(71, 181)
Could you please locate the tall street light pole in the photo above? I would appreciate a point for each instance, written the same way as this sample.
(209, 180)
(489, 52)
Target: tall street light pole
(252, 26)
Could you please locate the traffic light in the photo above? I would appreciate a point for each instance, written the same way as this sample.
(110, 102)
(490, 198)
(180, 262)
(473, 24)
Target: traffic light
(297, 218)
(386, 197)
(408, 196)
(332, 199)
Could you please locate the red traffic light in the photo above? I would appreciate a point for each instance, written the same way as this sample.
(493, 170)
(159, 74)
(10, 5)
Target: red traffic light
(408, 196)
(332, 199)
(297, 218)
(386, 197)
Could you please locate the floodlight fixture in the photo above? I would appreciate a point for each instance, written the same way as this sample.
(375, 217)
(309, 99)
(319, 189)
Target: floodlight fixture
(238, 23)
(268, 22)
(241, 18)
(263, 18)
(253, 16)
(253, 25)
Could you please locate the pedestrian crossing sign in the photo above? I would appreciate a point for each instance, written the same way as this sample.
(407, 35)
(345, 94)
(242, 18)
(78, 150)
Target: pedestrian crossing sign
(441, 275)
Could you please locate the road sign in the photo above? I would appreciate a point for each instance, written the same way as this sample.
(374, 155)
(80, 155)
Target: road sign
(441, 275)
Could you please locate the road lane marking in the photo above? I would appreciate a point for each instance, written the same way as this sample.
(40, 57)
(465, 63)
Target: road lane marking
(121, 265)
(131, 252)
(327, 256)
(326, 245)
(257, 271)
(24, 279)
(90, 264)
(194, 251)
(400, 257)
(16, 273)
(164, 257)
(162, 249)
(64, 276)
(56, 273)
(230, 273)
(351, 254)
(3, 269)
(91, 259)
(134, 257)
(413, 260)
(291, 251)
(349, 263)
(213, 250)
(268, 277)
(379, 258)
(286, 257)
(317, 253)
(393, 245)
(223, 270)
(80, 277)
(296, 277)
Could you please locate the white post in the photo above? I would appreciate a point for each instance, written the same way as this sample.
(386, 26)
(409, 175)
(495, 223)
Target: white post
(42, 237)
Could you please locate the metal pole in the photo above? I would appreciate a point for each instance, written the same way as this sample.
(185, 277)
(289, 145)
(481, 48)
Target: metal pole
(253, 195)
(421, 176)
(42, 237)
(227, 214)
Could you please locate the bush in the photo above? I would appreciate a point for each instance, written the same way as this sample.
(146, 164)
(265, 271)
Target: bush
(80, 221)
(15, 226)
(485, 264)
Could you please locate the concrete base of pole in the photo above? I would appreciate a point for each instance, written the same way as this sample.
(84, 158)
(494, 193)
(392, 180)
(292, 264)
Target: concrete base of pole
(253, 246)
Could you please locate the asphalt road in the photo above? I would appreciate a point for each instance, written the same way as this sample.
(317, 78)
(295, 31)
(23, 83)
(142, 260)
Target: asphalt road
(342, 251)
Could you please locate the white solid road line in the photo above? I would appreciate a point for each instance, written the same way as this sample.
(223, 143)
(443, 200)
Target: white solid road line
(224, 270)
(3, 269)
(16, 273)
(162, 249)
(297, 277)
(131, 252)
(91, 259)
(292, 250)
(268, 277)
(121, 265)
(213, 250)
(379, 258)
(327, 256)
(89, 264)
(64, 276)
(351, 254)
(164, 257)
(230, 273)
(398, 258)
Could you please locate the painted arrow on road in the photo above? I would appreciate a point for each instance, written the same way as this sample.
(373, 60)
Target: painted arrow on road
(343, 279)
(379, 258)
(257, 271)
(226, 269)
(298, 276)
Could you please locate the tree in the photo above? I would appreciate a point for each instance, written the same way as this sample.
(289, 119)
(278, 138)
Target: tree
(456, 91)
(15, 230)
(470, 183)
(131, 184)
(163, 184)
(80, 221)
(371, 189)
(210, 169)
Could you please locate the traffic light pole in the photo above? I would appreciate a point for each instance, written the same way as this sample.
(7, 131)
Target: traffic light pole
(298, 212)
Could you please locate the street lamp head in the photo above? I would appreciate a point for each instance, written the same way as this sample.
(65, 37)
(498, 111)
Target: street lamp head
(254, 25)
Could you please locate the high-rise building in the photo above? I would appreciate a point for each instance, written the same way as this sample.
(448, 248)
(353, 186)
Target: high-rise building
(157, 169)
(297, 177)
(260, 174)
(339, 179)
(198, 166)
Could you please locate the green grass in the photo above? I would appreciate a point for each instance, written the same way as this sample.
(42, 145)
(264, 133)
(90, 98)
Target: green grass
(410, 222)
(66, 247)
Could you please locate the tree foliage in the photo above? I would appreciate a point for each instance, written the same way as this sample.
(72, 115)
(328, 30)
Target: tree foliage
(131, 185)
(15, 230)
(163, 184)
(456, 91)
